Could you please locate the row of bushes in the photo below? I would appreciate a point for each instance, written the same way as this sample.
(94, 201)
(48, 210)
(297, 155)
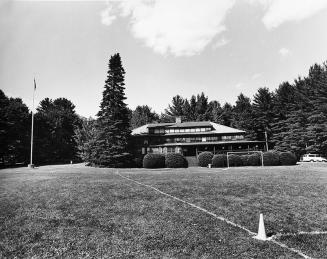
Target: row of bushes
(270, 158)
(172, 160)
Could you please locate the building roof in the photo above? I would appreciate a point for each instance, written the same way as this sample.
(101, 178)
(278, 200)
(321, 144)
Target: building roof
(191, 124)
(159, 125)
(217, 128)
(224, 129)
(208, 143)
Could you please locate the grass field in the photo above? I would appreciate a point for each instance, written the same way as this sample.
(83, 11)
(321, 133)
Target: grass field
(76, 211)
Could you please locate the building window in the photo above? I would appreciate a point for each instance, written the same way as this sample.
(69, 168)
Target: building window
(170, 150)
(213, 138)
(187, 130)
(204, 139)
(181, 130)
(197, 129)
(226, 137)
(146, 142)
(202, 129)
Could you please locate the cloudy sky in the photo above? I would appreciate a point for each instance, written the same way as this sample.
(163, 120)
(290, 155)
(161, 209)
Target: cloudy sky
(168, 47)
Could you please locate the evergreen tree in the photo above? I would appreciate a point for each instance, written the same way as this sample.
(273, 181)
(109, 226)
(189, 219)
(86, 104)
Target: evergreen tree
(187, 111)
(201, 107)
(164, 118)
(192, 115)
(243, 114)
(113, 119)
(14, 130)
(143, 115)
(55, 124)
(86, 139)
(263, 113)
(177, 107)
(214, 111)
(226, 117)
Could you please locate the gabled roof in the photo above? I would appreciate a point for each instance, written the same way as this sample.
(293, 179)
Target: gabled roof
(159, 125)
(217, 128)
(191, 124)
(224, 129)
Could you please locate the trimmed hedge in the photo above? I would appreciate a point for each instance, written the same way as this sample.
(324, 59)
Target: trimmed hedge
(175, 160)
(235, 160)
(271, 158)
(205, 158)
(138, 162)
(219, 160)
(245, 159)
(154, 161)
(287, 158)
(254, 160)
(251, 160)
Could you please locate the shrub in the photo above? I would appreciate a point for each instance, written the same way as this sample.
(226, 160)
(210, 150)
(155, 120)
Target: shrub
(219, 160)
(191, 161)
(245, 160)
(138, 162)
(287, 158)
(185, 162)
(154, 161)
(271, 158)
(235, 160)
(175, 160)
(254, 159)
(205, 158)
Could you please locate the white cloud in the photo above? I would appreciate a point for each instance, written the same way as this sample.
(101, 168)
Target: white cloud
(284, 52)
(239, 85)
(219, 43)
(180, 27)
(106, 15)
(256, 76)
(281, 11)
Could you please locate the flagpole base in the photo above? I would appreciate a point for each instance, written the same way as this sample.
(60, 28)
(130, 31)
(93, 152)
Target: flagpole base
(31, 166)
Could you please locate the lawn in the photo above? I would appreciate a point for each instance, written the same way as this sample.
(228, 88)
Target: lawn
(76, 211)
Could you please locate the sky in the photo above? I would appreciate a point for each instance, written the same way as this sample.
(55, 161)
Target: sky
(168, 47)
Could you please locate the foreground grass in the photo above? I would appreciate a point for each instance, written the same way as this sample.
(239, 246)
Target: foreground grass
(74, 211)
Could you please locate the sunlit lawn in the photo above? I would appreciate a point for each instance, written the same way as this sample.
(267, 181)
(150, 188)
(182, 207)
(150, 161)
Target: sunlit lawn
(77, 211)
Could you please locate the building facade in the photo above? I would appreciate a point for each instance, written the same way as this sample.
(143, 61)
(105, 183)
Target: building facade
(191, 138)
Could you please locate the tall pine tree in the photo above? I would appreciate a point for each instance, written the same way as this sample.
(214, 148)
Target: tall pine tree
(113, 119)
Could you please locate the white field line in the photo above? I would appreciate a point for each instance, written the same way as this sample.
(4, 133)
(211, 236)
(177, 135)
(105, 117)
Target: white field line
(300, 233)
(191, 204)
(216, 216)
(290, 248)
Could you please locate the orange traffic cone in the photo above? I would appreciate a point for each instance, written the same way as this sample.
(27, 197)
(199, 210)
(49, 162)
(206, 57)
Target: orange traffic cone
(261, 231)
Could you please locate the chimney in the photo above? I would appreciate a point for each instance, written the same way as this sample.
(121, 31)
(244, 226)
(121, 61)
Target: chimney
(178, 119)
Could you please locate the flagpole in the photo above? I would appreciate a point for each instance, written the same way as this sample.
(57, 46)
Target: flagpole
(31, 165)
(266, 138)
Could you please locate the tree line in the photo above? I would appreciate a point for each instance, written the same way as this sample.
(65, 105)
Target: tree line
(55, 122)
(294, 116)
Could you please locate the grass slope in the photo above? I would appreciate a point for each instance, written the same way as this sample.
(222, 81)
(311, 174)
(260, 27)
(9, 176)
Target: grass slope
(75, 211)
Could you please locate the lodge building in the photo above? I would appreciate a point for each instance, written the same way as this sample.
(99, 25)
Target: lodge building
(191, 138)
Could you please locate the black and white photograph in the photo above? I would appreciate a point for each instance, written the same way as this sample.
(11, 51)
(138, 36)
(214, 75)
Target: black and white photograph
(163, 129)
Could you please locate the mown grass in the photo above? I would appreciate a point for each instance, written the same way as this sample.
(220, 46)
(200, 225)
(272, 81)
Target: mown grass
(76, 211)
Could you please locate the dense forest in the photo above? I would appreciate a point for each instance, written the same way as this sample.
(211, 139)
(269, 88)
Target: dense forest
(294, 117)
